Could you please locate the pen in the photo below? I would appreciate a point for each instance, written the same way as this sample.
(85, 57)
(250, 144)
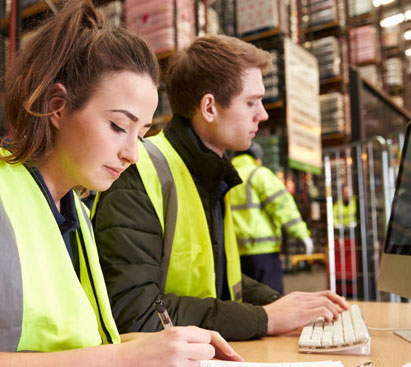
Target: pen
(163, 314)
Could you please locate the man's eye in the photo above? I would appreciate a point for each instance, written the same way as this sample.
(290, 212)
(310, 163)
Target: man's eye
(117, 128)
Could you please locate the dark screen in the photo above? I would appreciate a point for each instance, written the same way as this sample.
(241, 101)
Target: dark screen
(398, 239)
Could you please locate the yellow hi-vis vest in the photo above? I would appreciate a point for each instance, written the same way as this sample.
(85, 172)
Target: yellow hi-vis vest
(345, 215)
(44, 306)
(261, 206)
(188, 261)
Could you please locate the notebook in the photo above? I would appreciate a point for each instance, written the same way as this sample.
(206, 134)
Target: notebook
(216, 363)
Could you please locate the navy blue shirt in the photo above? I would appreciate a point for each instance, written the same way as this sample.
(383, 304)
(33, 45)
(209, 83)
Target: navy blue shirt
(67, 219)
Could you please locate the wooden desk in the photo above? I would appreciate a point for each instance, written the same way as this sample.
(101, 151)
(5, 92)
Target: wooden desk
(387, 349)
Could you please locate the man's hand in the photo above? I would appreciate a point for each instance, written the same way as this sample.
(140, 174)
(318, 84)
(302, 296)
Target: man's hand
(300, 308)
(223, 350)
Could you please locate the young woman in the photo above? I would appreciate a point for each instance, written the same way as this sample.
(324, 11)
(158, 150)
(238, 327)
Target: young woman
(78, 97)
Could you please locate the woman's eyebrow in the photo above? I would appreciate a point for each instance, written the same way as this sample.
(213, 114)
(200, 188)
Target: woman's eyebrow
(127, 113)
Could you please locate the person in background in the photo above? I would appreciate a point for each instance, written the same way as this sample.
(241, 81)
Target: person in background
(77, 99)
(261, 207)
(164, 230)
(345, 210)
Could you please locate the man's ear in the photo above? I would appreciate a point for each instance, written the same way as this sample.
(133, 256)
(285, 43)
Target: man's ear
(208, 107)
(57, 103)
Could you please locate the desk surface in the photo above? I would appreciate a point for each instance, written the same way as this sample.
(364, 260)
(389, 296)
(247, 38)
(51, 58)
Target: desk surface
(387, 349)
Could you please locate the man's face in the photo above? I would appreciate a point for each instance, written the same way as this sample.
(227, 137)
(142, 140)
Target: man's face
(346, 193)
(236, 125)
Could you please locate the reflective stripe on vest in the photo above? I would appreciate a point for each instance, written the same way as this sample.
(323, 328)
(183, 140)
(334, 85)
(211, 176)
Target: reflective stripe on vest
(262, 244)
(188, 262)
(46, 308)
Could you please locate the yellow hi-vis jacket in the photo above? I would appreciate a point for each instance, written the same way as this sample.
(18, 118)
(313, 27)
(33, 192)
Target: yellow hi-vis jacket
(44, 307)
(345, 215)
(188, 261)
(261, 206)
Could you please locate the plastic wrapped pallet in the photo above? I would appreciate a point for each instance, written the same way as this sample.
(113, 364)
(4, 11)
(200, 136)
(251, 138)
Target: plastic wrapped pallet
(364, 45)
(271, 151)
(271, 81)
(371, 74)
(154, 19)
(391, 36)
(332, 113)
(226, 12)
(327, 52)
(360, 7)
(113, 11)
(213, 20)
(319, 12)
(393, 72)
(260, 15)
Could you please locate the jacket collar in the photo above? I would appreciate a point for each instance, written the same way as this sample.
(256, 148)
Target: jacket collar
(207, 168)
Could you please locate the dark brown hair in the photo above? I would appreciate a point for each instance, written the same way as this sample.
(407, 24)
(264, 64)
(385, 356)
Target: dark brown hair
(76, 47)
(212, 64)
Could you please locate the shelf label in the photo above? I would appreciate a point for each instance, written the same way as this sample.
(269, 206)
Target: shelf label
(303, 108)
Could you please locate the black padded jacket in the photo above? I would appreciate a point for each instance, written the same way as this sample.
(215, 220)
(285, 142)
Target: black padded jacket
(129, 240)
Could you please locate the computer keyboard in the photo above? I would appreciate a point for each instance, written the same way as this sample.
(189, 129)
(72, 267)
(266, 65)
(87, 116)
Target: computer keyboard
(347, 335)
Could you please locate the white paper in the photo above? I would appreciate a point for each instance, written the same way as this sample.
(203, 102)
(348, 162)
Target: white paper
(215, 363)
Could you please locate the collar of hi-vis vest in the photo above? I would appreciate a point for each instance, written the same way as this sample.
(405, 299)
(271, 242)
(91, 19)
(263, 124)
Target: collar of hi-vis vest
(206, 167)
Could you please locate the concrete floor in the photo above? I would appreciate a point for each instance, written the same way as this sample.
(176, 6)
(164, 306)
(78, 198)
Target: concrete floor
(308, 281)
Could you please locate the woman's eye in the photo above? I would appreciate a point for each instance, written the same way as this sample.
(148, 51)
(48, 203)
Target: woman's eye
(252, 104)
(117, 128)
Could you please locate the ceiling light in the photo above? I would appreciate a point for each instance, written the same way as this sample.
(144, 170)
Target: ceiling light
(378, 3)
(392, 20)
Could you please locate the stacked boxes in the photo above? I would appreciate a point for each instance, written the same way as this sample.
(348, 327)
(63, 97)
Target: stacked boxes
(271, 81)
(154, 20)
(393, 72)
(327, 52)
(320, 12)
(271, 149)
(113, 11)
(391, 36)
(364, 45)
(227, 14)
(213, 20)
(259, 15)
(332, 113)
(360, 7)
(371, 74)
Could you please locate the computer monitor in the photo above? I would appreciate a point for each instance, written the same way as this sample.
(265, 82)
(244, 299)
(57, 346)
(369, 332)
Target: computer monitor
(395, 268)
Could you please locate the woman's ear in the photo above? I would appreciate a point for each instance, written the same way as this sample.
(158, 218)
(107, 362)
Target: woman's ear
(57, 103)
(208, 107)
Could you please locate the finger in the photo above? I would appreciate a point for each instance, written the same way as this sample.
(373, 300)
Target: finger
(191, 334)
(314, 313)
(341, 301)
(326, 313)
(223, 349)
(199, 351)
(324, 302)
